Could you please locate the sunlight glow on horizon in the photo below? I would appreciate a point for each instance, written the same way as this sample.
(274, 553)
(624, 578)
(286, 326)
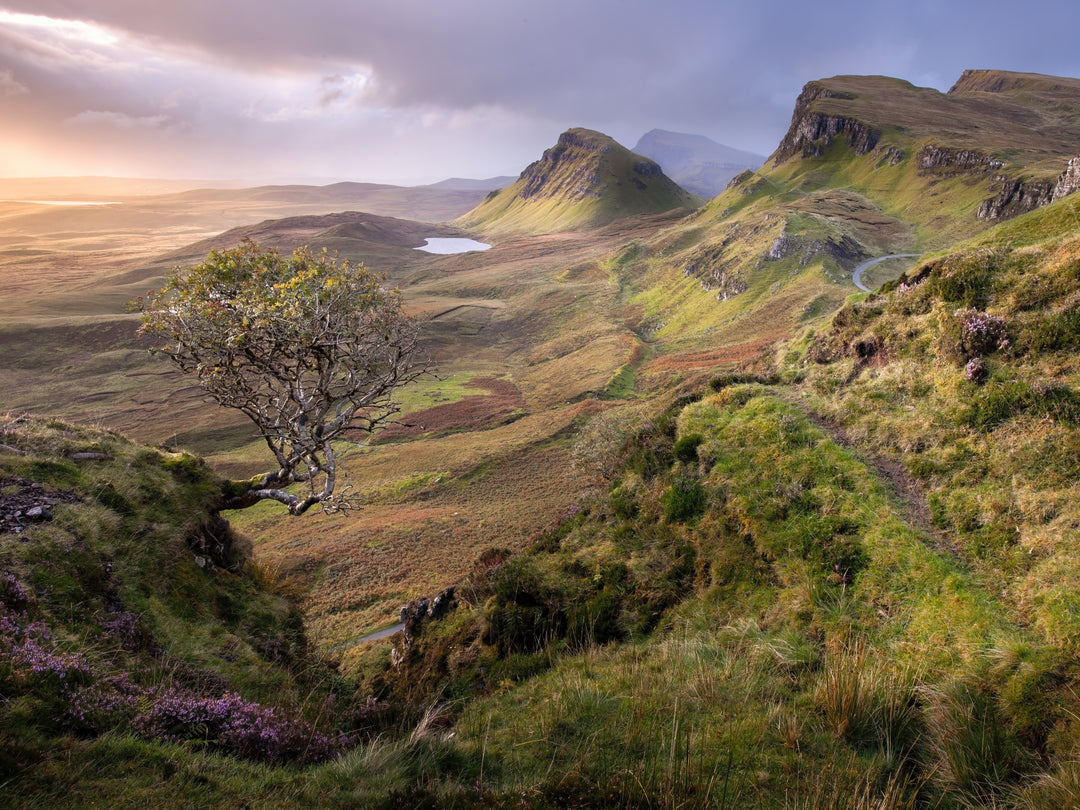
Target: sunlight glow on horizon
(68, 29)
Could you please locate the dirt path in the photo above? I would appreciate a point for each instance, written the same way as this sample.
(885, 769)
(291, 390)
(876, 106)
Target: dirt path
(910, 495)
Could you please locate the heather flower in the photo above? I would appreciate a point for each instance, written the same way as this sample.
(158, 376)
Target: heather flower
(975, 371)
(27, 653)
(233, 725)
(127, 628)
(905, 287)
(90, 703)
(12, 592)
(104, 704)
(982, 333)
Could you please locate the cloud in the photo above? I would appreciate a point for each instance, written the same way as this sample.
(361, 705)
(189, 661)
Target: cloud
(119, 120)
(474, 83)
(72, 30)
(9, 86)
(343, 89)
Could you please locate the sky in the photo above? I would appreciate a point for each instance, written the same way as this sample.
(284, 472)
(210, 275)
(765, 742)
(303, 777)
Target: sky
(415, 91)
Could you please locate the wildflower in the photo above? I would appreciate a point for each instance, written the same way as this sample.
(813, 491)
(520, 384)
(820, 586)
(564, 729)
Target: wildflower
(975, 371)
(982, 333)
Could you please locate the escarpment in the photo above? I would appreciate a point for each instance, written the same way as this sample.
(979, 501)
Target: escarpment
(945, 159)
(812, 131)
(1069, 181)
(1019, 195)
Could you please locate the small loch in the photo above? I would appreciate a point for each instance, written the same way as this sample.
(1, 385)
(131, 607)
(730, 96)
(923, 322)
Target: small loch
(446, 246)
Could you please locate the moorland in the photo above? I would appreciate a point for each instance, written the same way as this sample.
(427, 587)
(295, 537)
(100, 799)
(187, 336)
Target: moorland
(721, 530)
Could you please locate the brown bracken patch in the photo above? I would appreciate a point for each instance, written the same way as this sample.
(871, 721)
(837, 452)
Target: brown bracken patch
(734, 353)
(478, 412)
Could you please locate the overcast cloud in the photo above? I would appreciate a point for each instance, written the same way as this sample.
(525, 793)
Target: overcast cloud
(418, 90)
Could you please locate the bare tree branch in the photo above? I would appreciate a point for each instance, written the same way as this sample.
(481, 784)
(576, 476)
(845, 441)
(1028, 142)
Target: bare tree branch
(306, 347)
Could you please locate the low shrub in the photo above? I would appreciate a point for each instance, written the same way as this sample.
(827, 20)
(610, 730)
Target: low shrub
(686, 448)
(623, 503)
(684, 500)
(1055, 331)
(966, 278)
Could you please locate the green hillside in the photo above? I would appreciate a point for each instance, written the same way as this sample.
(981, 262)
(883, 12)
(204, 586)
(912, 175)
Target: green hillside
(585, 180)
(843, 575)
(137, 635)
(870, 166)
(682, 520)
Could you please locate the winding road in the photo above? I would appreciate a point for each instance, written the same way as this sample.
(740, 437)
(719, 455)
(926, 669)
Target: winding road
(856, 275)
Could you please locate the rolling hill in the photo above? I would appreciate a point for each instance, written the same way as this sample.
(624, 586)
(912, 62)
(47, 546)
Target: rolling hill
(721, 531)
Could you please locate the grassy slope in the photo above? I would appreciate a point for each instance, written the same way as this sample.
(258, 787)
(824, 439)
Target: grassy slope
(848, 584)
(131, 612)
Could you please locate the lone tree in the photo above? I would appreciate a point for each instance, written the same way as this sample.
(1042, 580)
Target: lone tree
(308, 347)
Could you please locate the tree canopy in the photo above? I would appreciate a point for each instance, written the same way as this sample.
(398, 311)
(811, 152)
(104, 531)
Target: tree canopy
(310, 348)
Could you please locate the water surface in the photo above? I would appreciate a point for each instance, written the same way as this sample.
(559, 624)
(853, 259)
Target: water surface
(456, 245)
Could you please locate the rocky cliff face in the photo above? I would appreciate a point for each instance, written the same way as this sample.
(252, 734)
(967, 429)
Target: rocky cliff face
(938, 159)
(567, 167)
(1015, 197)
(1069, 181)
(811, 132)
(1018, 196)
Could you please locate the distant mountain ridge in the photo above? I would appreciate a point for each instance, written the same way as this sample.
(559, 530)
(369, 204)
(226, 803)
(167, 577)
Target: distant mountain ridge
(469, 184)
(586, 180)
(696, 163)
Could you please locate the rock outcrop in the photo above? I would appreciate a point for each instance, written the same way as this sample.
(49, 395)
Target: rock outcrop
(1069, 181)
(715, 271)
(945, 159)
(812, 131)
(418, 611)
(1018, 196)
(1015, 197)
